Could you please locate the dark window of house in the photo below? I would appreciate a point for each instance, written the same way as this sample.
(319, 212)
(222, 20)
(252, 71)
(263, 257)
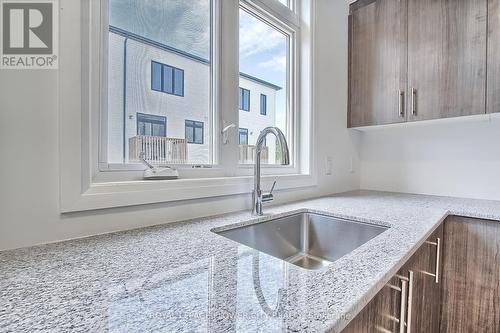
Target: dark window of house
(156, 70)
(244, 99)
(167, 79)
(263, 104)
(151, 125)
(178, 82)
(243, 136)
(194, 132)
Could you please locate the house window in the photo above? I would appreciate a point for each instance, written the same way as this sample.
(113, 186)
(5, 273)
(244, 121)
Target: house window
(244, 99)
(151, 125)
(269, 66)
(263, 104)
(194, 131)
(115, 75)
(167, 79)
(147, 62)
(243, 136)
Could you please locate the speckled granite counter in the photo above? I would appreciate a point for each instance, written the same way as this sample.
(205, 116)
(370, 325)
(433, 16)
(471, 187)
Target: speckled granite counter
(182, 277)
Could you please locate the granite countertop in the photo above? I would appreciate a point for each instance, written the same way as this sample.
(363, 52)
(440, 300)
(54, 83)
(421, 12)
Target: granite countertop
(182, 277)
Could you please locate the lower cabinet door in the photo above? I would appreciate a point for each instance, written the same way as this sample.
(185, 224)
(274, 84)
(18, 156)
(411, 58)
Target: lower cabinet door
(471, 290)
(392, 305)
(424, 300)
(386, 311)
(410, 301)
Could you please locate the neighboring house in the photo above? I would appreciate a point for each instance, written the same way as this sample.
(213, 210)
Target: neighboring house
(164, 93)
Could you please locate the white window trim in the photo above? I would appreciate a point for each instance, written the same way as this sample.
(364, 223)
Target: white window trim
(85, 187)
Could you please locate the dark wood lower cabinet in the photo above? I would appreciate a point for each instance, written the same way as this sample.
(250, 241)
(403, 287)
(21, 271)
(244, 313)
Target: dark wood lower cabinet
(427, 277)
(471, 276)
(451, 284)
(410, 302)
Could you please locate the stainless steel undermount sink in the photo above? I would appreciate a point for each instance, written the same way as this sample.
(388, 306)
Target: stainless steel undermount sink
(308, 240)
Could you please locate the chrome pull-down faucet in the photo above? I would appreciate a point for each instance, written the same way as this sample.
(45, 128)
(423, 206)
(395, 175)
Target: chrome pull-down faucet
(258, 197)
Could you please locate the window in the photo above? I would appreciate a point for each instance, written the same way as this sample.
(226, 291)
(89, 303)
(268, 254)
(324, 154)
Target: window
(243, 136)
(167, 79)
(183, 52)
(263, 104)
(266, 67)
(194, 132)
(118, 77)
(244, 99)
(151, 125)
(158, 55)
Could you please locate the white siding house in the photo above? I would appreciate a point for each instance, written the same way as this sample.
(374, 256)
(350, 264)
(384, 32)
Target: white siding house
(253, 120)
(131, 93)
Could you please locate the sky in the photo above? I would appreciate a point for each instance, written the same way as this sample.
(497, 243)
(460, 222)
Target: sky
(186, 26)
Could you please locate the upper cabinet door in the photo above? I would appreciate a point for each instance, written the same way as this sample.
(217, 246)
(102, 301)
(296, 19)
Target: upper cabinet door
(493, 95)
(446, 58)
(377, 62)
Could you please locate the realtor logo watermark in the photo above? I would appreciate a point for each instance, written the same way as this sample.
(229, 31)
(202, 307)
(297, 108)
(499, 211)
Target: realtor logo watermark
(29, 31)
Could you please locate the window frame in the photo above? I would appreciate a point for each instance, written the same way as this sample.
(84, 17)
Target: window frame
(194, 126)
(265, 104)
(153, 63)
(280, 17)
(245, 131)
(173, 69)
(88, 182)
(241, 100)
(151, 116)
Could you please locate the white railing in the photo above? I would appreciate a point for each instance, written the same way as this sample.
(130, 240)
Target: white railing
(158, 150)
(247, 154)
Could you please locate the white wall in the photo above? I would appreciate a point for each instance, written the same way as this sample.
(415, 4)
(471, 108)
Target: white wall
(29, 168)
(447, 157)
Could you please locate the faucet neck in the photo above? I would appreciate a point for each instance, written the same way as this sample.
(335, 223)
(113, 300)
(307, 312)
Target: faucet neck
(258, 197)
(257, 192)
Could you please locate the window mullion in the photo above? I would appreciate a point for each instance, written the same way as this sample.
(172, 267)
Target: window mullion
(229, 84)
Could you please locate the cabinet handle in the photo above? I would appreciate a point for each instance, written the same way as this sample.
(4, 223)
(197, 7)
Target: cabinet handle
(402, 319)
(401, 103)
(406, 291)
(410, 301)
(437, 244)
(414, 101)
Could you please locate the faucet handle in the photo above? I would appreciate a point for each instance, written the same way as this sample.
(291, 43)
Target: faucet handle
(272, 188)
(266, 197)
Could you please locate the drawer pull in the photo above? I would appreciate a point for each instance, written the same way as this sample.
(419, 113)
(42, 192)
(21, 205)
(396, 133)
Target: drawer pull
(437, 244)
(402, 320)
(410, 301)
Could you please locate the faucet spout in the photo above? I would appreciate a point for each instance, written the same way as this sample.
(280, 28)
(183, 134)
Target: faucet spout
(258, 198)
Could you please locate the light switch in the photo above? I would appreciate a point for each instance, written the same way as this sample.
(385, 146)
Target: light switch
(329, 165)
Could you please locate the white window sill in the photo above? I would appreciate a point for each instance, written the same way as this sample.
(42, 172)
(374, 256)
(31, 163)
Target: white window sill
(131, 193)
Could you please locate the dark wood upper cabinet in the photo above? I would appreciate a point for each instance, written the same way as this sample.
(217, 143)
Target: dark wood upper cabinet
(446, 58)
(493, 81)
(377, 62)
(432, 51)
